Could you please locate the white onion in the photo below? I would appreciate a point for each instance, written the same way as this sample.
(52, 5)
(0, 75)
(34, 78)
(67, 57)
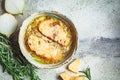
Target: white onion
(14, 6)
(8, 24)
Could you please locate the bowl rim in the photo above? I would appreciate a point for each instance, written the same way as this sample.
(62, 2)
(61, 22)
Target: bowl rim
(29, 57)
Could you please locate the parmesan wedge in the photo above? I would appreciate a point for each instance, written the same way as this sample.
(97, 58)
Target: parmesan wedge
(74, 66)
(65, 76)
(77, 78)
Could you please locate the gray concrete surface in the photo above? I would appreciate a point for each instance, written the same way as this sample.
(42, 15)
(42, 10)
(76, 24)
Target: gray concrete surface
(98, 26)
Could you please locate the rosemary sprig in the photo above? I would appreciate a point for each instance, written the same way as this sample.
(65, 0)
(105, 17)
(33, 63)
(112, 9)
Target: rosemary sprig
(12, 60)
(86, 73)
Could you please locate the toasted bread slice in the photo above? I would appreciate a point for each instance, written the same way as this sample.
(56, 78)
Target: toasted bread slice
(74, 66)
(55, 30)
(50, 51)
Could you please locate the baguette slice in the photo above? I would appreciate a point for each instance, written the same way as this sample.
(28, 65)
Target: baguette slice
(48, 51)
(55, 30)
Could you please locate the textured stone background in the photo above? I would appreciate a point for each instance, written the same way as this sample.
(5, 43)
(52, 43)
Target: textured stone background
(98, 26)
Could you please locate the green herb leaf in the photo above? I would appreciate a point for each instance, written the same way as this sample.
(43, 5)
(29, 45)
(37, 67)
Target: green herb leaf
(12, 60)
(86, 73)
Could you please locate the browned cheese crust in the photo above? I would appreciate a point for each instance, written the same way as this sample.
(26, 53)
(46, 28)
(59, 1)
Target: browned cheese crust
(48, 38)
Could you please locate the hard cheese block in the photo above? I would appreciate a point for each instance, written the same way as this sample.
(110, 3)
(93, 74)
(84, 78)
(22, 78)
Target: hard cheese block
(65, 76)
(78, 78)
(74, 66)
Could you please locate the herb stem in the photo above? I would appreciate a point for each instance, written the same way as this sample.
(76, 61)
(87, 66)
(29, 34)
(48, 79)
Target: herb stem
(13, 61)
(86, 73)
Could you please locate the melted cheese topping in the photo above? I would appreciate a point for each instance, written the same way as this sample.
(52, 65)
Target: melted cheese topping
(55, 30)
(48, 44)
